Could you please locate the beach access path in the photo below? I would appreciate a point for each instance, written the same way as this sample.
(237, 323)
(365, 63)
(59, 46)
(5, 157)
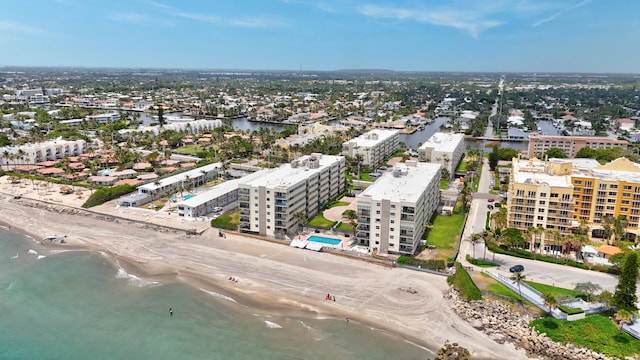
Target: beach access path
(273, 278)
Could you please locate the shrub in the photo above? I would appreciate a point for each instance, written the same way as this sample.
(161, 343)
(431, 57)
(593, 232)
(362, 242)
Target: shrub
(103, 195)
(224, 222)
(432, 264)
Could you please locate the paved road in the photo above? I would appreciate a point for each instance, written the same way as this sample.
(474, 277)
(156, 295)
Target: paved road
(543, 272)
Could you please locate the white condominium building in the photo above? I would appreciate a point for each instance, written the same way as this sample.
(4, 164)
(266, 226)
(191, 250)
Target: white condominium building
(393, 210)
(443, 148)
(374, 146)
(270, 205)
(35, 153)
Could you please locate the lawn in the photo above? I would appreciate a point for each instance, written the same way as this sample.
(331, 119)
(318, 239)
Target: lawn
(595, 332)
(345, 227)
(338, 203)
(188, 149)
(320, 221)
(462, 166)
(444, 234)
(444, 184)
(555, 291)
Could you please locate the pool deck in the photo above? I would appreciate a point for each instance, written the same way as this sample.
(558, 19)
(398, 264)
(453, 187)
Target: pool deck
(345, 242)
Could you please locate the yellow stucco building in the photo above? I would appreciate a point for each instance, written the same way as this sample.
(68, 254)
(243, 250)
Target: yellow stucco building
(557, 194)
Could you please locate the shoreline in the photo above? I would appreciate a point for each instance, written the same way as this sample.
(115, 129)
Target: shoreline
(273, 278)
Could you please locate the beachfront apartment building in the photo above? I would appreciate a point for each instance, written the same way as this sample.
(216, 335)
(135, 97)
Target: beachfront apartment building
(271, 205)
(39, 152)
(539, 144)
(557, 194)
(374, 146)
(612, 189)
(218, 196)
(393, 210)
(172, 184)
(445, 149)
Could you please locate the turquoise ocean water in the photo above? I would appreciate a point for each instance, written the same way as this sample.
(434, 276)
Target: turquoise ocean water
(77, 305)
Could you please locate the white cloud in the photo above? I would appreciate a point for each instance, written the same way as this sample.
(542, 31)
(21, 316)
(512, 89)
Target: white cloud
(15, 27)
(469, 21)
(129, 18)
(247, 22)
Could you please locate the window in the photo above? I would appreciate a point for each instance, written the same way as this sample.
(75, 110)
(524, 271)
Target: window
(540, 210)
(602, 187)
(542, 202)
(392, 221)
(531, 194)
(543, 194)
(392, 229)
(377, 212)
(554, 195)
(540, 218)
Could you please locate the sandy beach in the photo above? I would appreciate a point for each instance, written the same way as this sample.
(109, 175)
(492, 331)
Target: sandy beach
(271, 277)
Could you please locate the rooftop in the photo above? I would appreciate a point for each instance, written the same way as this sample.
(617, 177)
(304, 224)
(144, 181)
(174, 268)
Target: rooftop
(373, 137)
(299, 170)
(404, 183)
(446, 142)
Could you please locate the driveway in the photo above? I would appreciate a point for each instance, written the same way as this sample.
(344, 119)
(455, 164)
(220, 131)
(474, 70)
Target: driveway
(335, 213)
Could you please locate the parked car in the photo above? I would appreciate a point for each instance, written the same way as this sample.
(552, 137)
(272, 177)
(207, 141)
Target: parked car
(491, 200)
(490, 207)
(516, 268)
(217, 209)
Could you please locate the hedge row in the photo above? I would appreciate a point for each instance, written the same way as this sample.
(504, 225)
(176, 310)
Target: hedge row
(103, 195)
(433, 264)
(463, 283)
(551, 259)
(481, 263)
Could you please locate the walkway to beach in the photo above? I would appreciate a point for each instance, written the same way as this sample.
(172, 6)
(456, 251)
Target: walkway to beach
(335, 213)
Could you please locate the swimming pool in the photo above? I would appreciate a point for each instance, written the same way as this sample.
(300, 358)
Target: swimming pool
(324, 240)
(184, 198)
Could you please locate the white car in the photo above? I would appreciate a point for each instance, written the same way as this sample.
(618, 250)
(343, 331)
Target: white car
(217, 209)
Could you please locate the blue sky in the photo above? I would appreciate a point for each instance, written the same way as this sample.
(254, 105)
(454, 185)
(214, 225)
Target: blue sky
(413, 35)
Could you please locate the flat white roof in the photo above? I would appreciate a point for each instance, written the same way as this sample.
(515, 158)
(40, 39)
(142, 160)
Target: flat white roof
(221, 189)
(446, 142)
(180, 177)
(373, 137)
(407, 187)
(285, 176)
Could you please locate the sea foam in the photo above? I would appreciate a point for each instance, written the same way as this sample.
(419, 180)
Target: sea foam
(272, 325)
(215, 294)
(41, 257)
(32, 252)
(134, 280)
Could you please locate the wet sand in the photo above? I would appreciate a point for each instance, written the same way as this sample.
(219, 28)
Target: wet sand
(271, 277)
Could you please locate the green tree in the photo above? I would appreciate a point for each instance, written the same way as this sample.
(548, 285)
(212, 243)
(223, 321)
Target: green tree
(519, 278)
(556, 153)
(625, 294)
(588, 288)
(550, 301)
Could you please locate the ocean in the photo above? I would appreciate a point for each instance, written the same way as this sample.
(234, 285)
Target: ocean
(77, 305)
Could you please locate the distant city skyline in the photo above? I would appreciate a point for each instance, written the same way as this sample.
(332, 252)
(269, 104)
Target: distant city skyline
(591, 36)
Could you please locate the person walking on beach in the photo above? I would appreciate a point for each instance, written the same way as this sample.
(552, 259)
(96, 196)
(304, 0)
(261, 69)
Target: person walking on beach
(170, 312)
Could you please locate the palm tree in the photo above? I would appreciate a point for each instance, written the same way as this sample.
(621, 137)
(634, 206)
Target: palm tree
(475, 238)
(550, 301)
(519, 279)
(300, 217)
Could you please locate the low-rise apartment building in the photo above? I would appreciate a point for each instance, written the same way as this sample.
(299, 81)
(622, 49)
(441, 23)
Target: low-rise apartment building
(39, 152)
(445, 149)
(274, 204)
(393, 210)
(539, 144)
(218, 196)
(171, 184)
(374, 146)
